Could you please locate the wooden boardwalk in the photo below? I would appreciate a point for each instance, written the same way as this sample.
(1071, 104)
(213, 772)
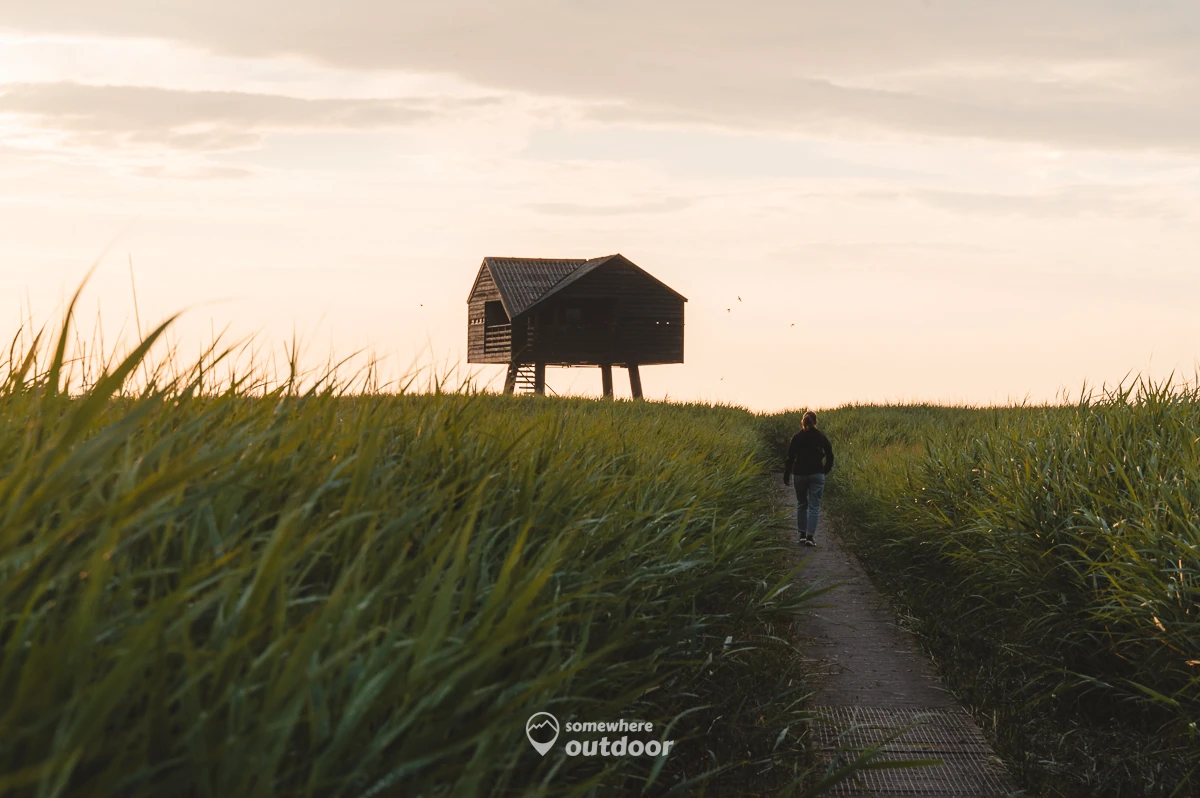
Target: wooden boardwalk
(874, 681)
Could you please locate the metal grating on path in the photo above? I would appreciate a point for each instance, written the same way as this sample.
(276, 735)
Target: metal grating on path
(968, 769)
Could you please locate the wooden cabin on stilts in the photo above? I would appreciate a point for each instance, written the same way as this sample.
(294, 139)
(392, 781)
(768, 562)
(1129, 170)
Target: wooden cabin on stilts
(529, 313)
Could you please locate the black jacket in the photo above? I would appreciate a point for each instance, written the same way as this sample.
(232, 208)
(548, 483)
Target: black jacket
(806, 452)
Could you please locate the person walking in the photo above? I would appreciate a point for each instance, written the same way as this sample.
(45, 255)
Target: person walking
(810, 458)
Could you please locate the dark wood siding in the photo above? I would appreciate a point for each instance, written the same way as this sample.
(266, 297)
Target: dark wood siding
(486, 343)
(616, 314)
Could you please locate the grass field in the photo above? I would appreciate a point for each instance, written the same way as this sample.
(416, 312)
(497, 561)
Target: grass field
(287, 590)
(1049, 557)
(295, 588)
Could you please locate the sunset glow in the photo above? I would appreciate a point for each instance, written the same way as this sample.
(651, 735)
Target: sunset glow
(957, 202)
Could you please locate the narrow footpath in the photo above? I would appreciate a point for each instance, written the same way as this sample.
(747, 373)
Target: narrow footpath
(874, 681)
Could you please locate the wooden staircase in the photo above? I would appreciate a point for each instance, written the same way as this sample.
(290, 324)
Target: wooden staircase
(526, 378)
(526, 375)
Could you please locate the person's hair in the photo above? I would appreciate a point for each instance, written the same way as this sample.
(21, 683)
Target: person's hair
(809, 420)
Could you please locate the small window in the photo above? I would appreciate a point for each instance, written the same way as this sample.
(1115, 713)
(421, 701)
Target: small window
(493, 313)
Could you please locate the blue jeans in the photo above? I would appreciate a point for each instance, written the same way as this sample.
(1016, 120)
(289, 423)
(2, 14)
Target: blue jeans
(809, 488)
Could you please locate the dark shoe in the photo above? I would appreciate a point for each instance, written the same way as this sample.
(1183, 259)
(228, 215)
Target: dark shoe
(810, 541)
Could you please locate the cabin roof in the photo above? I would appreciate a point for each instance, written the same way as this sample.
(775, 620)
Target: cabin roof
(524, 282)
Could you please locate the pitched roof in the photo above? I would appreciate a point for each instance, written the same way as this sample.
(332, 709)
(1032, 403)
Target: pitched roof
(595, 263)
(523, 282)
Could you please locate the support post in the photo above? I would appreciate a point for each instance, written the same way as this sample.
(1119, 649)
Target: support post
(635, 381)
(539, 379)
(606, 379)
(510, 379)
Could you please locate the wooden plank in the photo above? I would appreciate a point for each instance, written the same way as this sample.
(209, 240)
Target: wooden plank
(484, 291)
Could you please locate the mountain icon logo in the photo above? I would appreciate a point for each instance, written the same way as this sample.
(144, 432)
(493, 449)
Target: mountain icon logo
(542, 731)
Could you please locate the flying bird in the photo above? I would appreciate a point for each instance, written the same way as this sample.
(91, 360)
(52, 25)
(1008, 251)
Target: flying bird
(793, 325)
(726, 310)
(739, 299)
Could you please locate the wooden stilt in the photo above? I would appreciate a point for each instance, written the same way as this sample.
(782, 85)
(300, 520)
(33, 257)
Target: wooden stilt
(510, 379)
(606, 379)
(635, 381)
(539, 379)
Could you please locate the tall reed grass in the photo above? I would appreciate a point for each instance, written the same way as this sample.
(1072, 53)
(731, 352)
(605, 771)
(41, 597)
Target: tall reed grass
(1050, 557)
(283, 589)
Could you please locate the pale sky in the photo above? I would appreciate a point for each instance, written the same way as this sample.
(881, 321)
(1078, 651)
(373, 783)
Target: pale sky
(966, 201)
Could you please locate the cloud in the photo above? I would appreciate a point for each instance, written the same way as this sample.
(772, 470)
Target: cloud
(1075, 73)
(665, 205)
(202, 172)
(1067, 201)
(1092, 117)
(199, 121)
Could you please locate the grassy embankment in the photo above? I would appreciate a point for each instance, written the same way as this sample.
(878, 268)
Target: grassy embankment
(288, 590)
(1049, 558)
